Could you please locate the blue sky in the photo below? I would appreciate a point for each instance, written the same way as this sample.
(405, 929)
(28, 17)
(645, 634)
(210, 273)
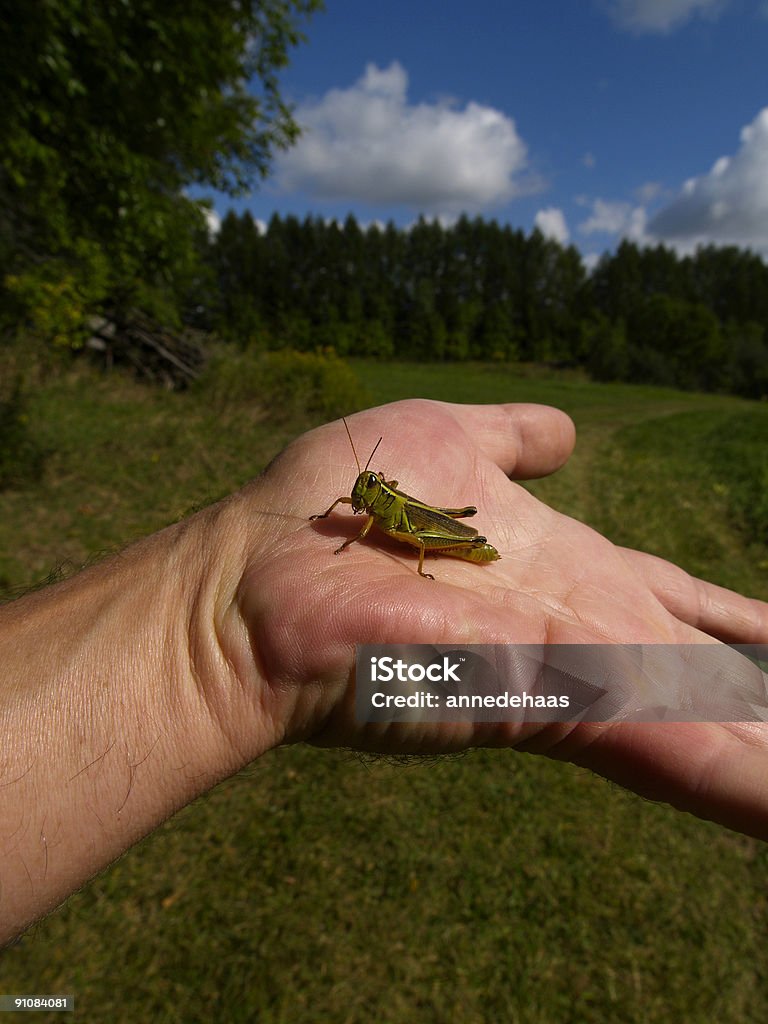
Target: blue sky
(595, 120)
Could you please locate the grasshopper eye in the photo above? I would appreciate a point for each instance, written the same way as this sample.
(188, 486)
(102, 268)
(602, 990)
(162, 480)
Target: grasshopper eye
(370, 480)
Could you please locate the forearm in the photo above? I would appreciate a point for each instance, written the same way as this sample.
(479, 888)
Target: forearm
(115, 709)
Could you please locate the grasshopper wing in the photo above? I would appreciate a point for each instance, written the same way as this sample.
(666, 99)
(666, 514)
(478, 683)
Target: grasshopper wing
(437, 522)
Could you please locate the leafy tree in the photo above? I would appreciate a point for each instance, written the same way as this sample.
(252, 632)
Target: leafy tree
(732, 282)
(108, 110)
(616, 285)
(422, 333)
(605, 348)
(496, 334)
(236, 265)
(376, 341)
(747, 359)
(682, 337)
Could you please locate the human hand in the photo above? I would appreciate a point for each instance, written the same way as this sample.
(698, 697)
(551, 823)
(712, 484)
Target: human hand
(299, 610)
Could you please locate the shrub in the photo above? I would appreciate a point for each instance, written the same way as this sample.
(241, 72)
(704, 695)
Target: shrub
(285, 384)
(54, 298)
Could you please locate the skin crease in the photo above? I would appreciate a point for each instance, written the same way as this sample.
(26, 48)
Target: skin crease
(147, 679)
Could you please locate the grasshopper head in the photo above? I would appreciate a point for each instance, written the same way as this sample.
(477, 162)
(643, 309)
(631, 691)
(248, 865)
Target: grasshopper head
(366, 490)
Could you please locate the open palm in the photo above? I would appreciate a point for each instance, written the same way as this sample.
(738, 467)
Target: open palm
(557, 582)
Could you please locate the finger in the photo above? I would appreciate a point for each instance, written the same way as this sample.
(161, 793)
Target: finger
(715, 771)
(525, 440)
(721, 613)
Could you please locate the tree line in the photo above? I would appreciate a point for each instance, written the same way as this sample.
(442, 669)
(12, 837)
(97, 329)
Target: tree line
(481, 290)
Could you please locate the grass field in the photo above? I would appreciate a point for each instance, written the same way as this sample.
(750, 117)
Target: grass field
(318, 886)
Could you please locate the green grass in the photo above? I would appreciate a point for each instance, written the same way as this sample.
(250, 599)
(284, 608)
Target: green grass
(317, 886)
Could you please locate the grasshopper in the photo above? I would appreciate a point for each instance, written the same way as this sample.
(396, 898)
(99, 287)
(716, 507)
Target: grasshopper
(397, 514)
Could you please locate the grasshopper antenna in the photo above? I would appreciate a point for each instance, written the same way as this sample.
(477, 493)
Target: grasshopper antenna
(343, 420)
(373, 453)
(357, 461)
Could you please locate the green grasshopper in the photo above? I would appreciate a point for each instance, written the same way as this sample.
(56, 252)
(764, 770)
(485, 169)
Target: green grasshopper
(414, 522)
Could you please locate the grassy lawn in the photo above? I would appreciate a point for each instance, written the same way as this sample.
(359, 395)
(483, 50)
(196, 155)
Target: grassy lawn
(320, 886)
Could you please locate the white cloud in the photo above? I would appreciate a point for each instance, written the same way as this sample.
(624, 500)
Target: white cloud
(551, 223)
(616, 218)
(368, 143)
(590, 261)
(660, 15)
(650, 191)
(212, 220)
(729, 205)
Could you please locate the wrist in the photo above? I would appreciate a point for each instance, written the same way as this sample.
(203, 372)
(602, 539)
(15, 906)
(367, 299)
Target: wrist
(225, 680)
